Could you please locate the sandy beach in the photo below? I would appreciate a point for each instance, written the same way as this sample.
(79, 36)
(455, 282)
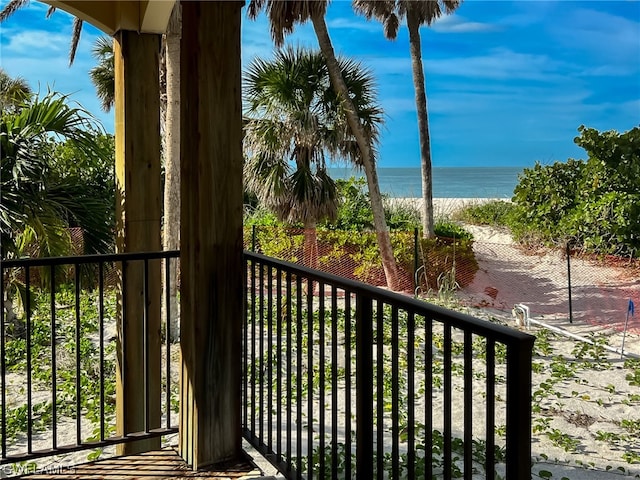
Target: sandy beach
(592, 405)
(442, 207)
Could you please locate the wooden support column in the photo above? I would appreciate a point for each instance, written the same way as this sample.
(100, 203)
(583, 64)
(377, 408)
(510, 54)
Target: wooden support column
(138, 215)
(211, 233)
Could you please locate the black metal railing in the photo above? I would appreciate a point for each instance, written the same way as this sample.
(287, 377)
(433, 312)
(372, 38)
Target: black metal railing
(58, 346)
(343, 380)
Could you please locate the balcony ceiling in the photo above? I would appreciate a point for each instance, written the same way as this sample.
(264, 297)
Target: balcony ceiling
(143, 16)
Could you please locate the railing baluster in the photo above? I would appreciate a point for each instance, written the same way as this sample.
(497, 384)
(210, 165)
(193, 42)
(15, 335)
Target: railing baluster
(101, 340)
(395, 380)
(428, 396)
(54, 405)
(321, 366)
(364, 387)
(411, 447)
(289, 320)
(253, 348)
(310, 379)
(261, 386)
(468, 405)
(299, 392)
(124, 266)
(334, 382)
(448, 400)
(347, 381)
(279, 320)
(29, 366)
(167, 339)
(491, 408)
(380, 373)
(78, 359)
(145, 342)
(245, 347)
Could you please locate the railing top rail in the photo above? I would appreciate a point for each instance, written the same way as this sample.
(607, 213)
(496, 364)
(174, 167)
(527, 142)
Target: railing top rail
(84, 259)
(499, 333)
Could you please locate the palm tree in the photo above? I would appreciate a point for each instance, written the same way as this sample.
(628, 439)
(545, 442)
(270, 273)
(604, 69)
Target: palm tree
(282, 17)
(37, 203)
(13, 91)
(417, 13)
(294, 122)
(171, 121)
(103, 74)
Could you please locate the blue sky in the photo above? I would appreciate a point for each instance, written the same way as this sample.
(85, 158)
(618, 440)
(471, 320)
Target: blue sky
(508, 83)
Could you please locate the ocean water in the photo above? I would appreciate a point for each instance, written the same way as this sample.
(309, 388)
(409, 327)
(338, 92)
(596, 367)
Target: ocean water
(448, 182)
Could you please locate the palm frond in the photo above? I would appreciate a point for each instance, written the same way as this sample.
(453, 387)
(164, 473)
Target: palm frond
(284, 14)
(32, 197)
(12, 7)
(14, 91)
(293, 121)
(383, 10)
(75, 39)
(102, 75)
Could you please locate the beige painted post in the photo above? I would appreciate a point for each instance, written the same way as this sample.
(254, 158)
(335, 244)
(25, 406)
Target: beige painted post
(138, 214)
(211, 233)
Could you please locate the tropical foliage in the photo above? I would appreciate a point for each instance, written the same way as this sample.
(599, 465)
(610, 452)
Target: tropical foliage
(347, 245)
(13, 91)
(282, 18)
(103, 74)
(295, 121)
(48, 186)
(591, 204)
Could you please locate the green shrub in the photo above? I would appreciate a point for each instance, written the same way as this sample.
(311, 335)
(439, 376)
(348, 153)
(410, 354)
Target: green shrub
(354, 210)
(279, 242)
(349, 246)
(592, 204)
(496, 213)
(607, 225)
(544, 196)
(450, 229)
(401, 216)
(261, 217)
(446, 259)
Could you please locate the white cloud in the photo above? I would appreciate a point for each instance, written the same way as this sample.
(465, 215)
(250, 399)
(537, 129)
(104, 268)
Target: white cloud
(34, 42)
(501, 64)
(355, 23)
(457, 24)
(603, 35)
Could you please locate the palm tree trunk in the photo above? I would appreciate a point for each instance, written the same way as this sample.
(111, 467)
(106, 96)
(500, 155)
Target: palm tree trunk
(382, 232)
(171, 226)
(423, 122)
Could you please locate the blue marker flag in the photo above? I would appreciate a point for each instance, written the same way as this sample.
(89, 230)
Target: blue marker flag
(631, 307)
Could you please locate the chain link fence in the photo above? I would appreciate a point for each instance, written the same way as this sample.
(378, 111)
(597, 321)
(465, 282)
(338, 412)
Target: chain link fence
(553, 284)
